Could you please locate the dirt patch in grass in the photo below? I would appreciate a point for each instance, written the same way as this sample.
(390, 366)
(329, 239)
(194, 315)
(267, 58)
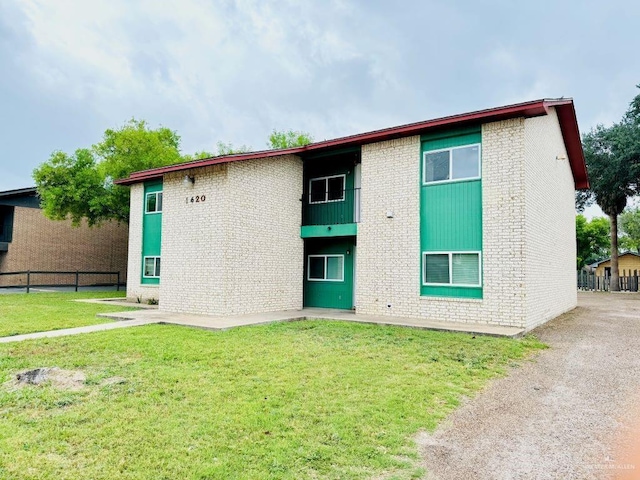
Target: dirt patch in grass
(54, 376)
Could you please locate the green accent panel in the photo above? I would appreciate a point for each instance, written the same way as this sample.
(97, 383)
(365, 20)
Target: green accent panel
(330, 213)
(346, 230)
(330, 294)
(453, 138)
(151, 232)
(460, 292)
(451, 216)
(450, 213)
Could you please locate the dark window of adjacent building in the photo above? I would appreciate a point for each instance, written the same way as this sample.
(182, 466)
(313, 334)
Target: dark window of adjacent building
(6, 223)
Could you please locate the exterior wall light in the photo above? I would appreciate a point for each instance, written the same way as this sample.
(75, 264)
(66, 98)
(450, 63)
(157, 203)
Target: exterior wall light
(189, 180)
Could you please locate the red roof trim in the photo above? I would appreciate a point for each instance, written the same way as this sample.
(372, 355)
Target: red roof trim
(566, 115)
(572, 142)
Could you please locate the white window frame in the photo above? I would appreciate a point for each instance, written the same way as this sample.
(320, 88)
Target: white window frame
(325, 256)
(451, 254)
(155, 266)
(146, 202)
(450, 150)
(326, 188)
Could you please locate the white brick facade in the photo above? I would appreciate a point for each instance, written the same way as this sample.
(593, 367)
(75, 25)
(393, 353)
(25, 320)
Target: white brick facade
(549, 222)
(240, 250)
(520, 208)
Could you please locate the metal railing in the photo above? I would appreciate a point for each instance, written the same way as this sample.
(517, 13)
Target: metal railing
(34, 279)
(332, 212)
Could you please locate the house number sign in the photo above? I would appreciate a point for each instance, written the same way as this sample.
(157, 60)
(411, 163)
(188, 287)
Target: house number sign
(196, 199)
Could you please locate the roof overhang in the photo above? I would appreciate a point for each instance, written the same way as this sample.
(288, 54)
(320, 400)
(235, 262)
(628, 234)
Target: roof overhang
(19, 192)
(564, 108)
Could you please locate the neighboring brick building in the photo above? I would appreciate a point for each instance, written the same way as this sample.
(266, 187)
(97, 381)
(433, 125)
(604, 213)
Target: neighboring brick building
(30, 241)
(458, 219)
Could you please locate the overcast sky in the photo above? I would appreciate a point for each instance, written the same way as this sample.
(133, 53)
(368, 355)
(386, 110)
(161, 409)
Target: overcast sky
(232, 71)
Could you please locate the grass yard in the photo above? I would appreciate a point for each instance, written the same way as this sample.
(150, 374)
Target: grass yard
(36, 312)
(301, 400)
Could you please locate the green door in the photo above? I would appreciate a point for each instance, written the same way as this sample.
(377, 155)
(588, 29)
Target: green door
(328, 272)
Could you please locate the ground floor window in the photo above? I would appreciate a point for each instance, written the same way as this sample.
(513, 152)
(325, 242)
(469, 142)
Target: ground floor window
(151, 267)
(451, 268)
(329, 268)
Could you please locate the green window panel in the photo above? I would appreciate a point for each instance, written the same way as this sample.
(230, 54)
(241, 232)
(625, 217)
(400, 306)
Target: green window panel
(151, 233)
(451, 213)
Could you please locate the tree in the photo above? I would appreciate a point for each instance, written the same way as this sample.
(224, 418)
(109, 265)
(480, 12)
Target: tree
(592, 239)
(288, 139)
(81, 185)
(630, 227)
(612, 156)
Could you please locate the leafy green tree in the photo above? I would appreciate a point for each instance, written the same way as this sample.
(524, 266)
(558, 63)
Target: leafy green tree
(81, 185)
(230, 149)
(612, 156)
(288, 139)
(592, 239)
(630, 227)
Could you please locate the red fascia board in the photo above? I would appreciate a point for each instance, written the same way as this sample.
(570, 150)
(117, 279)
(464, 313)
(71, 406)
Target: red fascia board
(571, 135)
(528, 109)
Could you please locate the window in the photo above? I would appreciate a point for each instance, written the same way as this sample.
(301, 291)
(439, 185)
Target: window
(451, 164)
(329, 268)
(326, 189)
(451, 268)
(151, 267)
(153, 203)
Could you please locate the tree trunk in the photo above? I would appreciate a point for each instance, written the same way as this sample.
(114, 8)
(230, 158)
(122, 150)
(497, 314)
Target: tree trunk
(615, 276)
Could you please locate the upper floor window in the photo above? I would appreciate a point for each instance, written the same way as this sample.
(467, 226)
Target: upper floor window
(327, 189)
(153, 203)
(452, 164)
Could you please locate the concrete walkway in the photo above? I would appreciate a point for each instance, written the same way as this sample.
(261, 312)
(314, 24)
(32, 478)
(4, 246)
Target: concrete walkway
(75, 331)
(150, 315)
(222, 322)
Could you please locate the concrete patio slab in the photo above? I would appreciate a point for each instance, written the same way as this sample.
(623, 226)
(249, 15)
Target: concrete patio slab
(151, 315)
(221, 322)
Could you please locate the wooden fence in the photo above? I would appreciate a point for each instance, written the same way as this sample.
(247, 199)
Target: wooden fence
(591, 282)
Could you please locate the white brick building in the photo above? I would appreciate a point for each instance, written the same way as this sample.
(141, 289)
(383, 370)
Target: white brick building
(468, 218)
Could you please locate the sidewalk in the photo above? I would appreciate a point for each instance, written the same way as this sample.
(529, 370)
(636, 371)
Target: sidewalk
(222, 322)
(151, 315)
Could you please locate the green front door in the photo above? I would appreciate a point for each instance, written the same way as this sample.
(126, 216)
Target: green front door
(328, 272)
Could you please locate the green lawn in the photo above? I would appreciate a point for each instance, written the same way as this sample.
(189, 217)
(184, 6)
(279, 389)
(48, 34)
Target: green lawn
(301, 400)
(36, 312)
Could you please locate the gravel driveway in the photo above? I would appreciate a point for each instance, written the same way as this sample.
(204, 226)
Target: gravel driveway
(568, 414)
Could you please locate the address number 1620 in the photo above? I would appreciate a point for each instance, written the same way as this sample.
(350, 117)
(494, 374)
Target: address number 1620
(196, 199)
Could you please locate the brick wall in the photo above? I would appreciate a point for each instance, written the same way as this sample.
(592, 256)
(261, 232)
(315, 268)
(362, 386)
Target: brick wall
(388, 255)
(42, 244)
(240, 250)
(549, 222)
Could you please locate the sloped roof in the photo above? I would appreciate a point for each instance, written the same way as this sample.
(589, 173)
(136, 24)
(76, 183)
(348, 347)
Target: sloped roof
(595, 264)
(564, 108)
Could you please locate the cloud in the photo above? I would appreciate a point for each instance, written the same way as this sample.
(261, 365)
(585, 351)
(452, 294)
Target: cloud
(232, 70)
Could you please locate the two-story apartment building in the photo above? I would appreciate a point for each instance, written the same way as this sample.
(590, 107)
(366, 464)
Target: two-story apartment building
(456, 218)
